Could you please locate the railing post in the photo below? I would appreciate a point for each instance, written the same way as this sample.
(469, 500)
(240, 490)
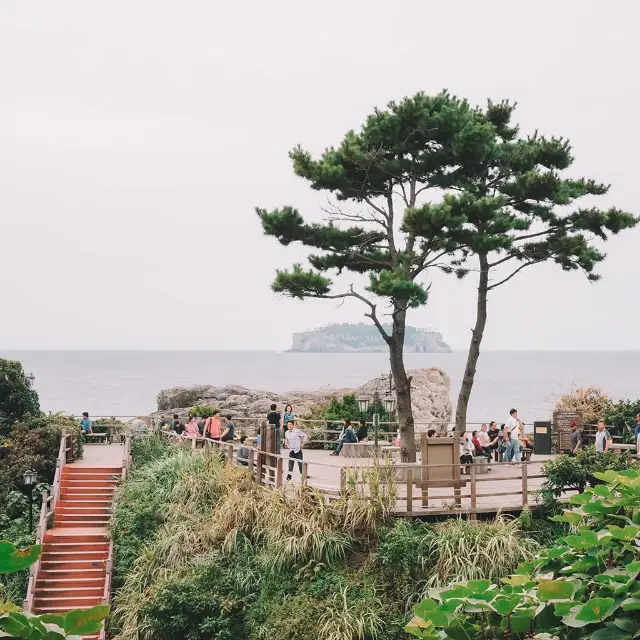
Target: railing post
(525, 490)
(304, 474)
(278, 473)
(229, 452)
(409, 489)
(343, 480)
(250, 461)
(474, 498)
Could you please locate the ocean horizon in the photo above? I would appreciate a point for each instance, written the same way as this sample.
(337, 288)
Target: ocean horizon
(126, 382)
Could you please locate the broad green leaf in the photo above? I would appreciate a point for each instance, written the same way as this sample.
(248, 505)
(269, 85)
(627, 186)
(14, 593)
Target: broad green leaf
(15, 625)
(608, 476)
(568, 516)
(557, 552)
(519, 622)
(570, 619)
(581, 541)
(13, 559)
(478, 586)
(52, 618)
(601, 490)
(459, 591)
(416, 626)
(633, 567)
(624, 533)
(580, 498)
(583, 564)
(631, 604)
(517, 580)
(86, 621)
(549, 590)
(609, 633)
(626, 624)
(428, 611)
(505, 606)
(564, 608)
(596, 609)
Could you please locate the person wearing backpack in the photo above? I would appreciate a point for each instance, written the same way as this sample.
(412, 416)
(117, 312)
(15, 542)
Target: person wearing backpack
(603, 438)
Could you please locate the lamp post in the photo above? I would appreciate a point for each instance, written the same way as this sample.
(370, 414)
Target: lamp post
(29, 478)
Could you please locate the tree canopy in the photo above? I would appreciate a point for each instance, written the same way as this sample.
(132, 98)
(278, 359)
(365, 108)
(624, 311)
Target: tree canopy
(17, 398)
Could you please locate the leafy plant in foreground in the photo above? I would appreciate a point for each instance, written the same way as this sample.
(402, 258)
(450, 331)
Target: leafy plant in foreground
(585, 586)
(15, 623)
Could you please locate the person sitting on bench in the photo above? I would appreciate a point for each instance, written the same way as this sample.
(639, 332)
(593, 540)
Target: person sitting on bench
(86, 425)
(349, 436)
(362, 431)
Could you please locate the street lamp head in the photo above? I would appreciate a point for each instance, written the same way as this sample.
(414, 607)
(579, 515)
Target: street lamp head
(32, 379)
(29, 477)
(363, 405)
(389, 404)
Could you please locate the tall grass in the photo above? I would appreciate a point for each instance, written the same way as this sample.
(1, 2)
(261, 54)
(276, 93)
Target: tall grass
(350, 617)
(466, 550)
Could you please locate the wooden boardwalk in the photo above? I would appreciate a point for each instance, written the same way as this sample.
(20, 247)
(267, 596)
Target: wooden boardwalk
(506, 487)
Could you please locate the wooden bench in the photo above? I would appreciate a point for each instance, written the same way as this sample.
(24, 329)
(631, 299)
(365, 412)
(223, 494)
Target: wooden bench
(98, 437)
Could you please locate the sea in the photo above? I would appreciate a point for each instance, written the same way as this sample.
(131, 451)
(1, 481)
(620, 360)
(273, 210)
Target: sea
(126, 383)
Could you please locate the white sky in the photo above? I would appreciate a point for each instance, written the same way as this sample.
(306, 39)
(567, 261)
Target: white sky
(136, 138)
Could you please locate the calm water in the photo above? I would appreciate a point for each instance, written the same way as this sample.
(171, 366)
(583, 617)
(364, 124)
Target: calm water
(126, 382)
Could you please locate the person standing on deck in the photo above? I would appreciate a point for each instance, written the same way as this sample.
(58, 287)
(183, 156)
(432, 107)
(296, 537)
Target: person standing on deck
(513, 452)
(212, 427)
(273, 422)
(603, 438)
(295, 439)
(576, 439)
(287, 417)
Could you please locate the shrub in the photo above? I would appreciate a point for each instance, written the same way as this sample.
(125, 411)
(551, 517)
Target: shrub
(17, 399)
(204, 411)
(33, 443)
(575, 472)
(584, 586)
(593, 403)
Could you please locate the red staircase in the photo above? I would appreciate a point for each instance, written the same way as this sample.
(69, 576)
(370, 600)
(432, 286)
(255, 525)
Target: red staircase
(73, 566)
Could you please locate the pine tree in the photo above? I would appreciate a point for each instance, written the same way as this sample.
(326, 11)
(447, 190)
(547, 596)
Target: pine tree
(519, 211)
(382, 172)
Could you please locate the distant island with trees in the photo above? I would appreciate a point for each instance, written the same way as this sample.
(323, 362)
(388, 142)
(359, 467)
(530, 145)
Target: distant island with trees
(365, 338)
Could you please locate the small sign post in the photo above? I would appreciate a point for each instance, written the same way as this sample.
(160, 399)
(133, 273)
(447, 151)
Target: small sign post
(562, 421)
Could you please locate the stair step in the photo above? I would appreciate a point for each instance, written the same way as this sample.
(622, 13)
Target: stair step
(79, 546)
(81, 469)
(78, 555)
(69, 583)
(46, 592)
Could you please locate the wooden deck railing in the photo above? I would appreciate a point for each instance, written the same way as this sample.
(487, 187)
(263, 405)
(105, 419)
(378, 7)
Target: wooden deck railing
(415, 493)
(47, 511)
(106, 594)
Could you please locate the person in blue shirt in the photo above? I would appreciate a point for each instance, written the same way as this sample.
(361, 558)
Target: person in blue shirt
(85, 423)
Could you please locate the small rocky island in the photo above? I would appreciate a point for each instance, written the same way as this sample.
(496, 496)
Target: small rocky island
(365, 338)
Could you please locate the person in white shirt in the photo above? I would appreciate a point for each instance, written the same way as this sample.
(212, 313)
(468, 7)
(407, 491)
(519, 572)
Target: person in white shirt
(603, 438)
(483, 436)
(513, 452)
(295, 439)
(466, 451)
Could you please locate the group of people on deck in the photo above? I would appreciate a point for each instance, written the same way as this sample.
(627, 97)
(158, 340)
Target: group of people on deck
(510, 440)
(198, 428)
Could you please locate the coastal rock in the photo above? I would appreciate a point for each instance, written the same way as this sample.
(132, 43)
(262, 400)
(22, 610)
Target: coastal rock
(430, 389)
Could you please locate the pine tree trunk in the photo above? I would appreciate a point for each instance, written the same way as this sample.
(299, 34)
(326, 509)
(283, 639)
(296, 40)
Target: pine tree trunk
(403, 386)
(474, 347)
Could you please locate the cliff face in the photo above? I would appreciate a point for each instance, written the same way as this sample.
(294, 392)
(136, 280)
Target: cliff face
(361, 338)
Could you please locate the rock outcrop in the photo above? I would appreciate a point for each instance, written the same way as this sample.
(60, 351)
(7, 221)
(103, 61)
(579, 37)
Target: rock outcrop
(430, 389)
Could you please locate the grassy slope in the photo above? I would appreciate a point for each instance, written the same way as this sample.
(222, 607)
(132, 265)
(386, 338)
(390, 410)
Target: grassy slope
(201, 552)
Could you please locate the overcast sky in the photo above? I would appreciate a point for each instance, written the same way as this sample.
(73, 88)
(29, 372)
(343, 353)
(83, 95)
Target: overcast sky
(136, 138)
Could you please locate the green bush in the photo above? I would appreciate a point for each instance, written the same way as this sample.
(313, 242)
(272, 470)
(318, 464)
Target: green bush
(584, 586)
(33, 444)
(204, 411)
(17, 399)
(197, 606)
(575, 472)
(622, 416)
